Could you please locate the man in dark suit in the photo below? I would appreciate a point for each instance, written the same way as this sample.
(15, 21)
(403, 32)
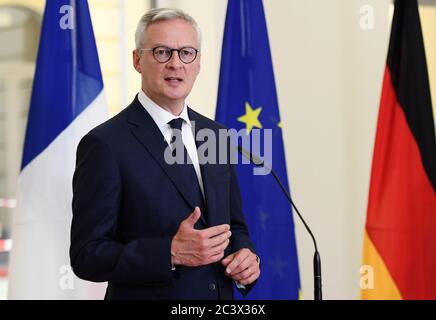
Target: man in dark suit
(153, 229)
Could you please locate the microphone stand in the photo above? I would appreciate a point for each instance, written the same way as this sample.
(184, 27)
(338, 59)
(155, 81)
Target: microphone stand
(317, 258)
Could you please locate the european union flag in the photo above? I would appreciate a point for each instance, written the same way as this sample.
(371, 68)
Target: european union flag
(247, 100)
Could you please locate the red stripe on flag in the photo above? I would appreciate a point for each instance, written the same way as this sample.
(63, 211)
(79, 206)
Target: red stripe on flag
(401, 218)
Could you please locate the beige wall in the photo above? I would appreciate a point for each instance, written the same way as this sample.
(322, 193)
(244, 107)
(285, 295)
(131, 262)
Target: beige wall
(428, 22)
(37, 5)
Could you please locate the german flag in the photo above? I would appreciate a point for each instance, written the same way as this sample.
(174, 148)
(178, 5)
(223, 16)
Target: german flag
(400, 237)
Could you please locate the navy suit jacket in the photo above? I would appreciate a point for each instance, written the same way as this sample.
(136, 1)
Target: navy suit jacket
(128, 204)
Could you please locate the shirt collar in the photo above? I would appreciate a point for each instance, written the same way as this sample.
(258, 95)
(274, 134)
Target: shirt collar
(161, 116)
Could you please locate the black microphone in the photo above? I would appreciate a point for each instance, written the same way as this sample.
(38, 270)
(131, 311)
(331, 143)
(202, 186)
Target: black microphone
(316, 259)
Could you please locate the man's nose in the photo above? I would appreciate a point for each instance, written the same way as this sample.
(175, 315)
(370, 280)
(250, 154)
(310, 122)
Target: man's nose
(175, 61)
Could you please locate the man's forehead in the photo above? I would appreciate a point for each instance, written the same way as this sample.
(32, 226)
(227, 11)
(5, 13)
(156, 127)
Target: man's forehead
(176, 29)
(173, 24)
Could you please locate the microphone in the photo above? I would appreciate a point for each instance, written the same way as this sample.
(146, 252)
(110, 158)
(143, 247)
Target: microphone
(317, 258)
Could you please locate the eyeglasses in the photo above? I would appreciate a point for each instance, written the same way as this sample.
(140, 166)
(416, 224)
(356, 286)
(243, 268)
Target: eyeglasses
(163, 54)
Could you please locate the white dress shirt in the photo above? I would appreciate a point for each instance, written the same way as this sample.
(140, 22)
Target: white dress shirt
(161, 117)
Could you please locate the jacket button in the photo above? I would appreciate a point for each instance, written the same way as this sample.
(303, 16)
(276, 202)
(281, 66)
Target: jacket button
(212, 286)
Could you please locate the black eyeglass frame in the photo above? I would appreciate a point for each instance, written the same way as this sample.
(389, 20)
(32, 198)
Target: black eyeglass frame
(153, 50)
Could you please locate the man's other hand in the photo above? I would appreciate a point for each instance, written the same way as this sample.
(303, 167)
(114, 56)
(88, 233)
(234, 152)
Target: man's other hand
(242, 266)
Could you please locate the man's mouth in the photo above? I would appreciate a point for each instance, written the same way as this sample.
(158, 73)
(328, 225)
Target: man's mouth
(173, 79)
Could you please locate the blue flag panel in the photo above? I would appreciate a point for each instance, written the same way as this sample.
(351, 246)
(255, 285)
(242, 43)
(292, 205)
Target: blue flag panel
(247, 100)
(67, 77)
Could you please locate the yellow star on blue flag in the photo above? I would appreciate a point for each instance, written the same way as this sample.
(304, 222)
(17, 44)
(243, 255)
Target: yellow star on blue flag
(251, 118)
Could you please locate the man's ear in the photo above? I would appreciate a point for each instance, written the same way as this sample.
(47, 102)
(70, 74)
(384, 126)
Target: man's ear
(136, 60)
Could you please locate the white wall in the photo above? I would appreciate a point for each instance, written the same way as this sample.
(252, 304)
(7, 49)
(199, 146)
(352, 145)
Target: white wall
(329, 73)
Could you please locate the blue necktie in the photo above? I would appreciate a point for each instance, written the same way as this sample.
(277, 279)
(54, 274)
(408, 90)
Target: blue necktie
(186, 169)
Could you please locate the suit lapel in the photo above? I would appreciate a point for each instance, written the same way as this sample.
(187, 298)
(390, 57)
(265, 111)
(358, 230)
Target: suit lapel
(149, 135)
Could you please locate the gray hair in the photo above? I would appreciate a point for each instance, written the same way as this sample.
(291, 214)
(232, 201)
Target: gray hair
(162, 14)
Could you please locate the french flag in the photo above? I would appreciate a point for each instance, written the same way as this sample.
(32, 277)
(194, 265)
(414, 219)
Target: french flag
(67, 101)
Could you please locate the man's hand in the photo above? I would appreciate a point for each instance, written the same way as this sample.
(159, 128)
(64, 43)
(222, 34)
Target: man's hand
(193, 248)
(242, 266)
